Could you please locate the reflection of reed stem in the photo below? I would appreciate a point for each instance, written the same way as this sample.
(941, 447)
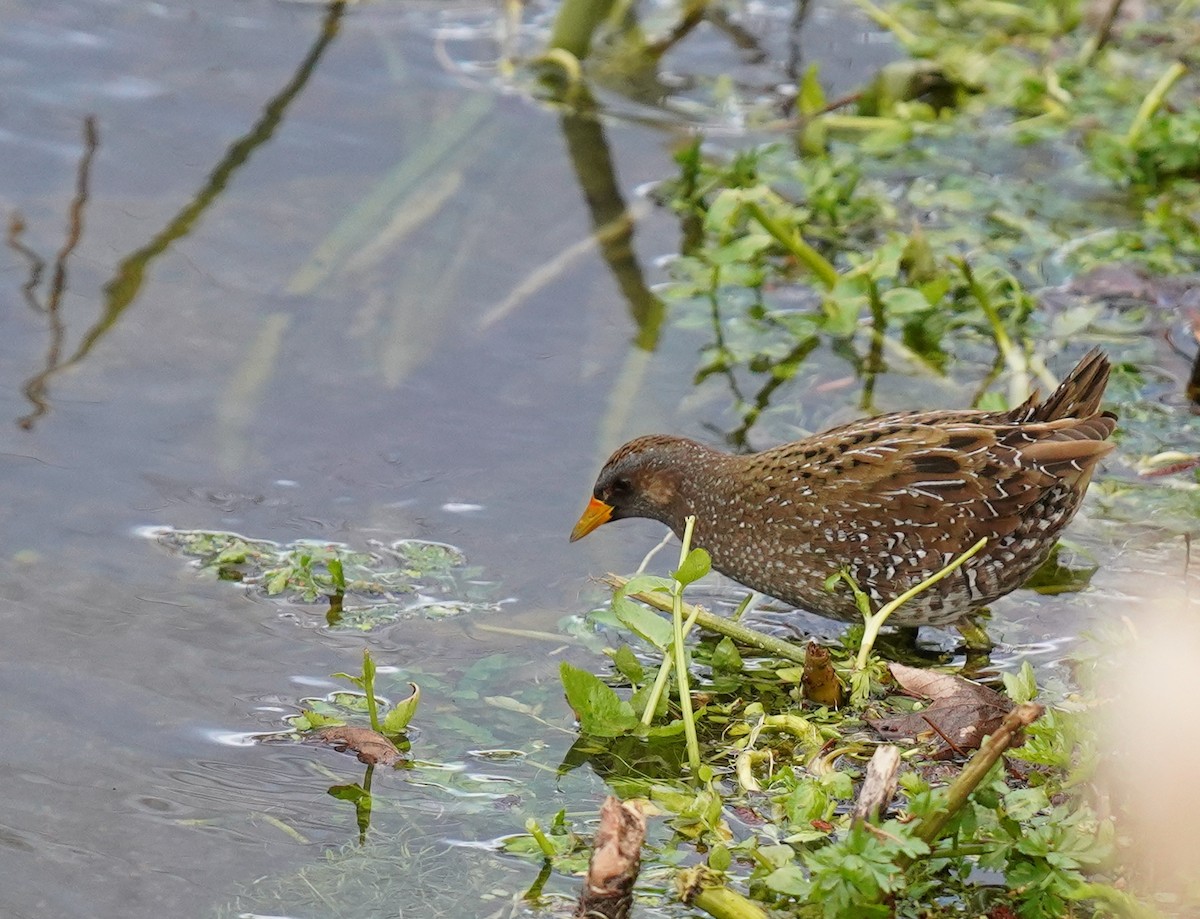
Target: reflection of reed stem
(693, 14)
(780, 372)
(553, 269)
(126, 282)
(873, 365)
(611, 224)
(405, 190)
(35, 386)
(37, 264)
(612, 228)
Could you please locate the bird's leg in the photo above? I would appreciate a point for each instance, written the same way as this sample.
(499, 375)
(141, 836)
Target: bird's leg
(975, 636)
(906, 636)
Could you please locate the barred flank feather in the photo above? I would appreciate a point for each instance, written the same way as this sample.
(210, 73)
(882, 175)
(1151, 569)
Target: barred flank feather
(893, 499)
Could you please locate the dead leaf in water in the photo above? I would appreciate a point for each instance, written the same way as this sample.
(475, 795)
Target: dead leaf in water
(369, 746)
(962, 713)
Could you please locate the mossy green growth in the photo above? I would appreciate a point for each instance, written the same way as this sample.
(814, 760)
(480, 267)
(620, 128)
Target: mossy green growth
(404, 579)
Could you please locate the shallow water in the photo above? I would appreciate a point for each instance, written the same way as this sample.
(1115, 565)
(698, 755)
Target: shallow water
(251, 340)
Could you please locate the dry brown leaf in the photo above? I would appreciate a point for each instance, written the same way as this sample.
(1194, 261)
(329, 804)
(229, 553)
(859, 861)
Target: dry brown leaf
(962, 713)
(369, 746)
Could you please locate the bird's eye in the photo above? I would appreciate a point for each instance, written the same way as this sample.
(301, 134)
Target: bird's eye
(619, 488)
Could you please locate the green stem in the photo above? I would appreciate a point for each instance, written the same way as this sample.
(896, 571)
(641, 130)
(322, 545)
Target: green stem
(1012, 355)
(664, 668)
(743, 635)
(539, 836)
(681, 668)
(1153, 101)
(657, 690)
(875, 621)
(999, 333)
(743, 606)
(791, 240)
(369, 686)
(1099, 38)
(576, 24)
(702, 888)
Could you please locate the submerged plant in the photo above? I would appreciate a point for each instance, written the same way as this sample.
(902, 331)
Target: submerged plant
(407, 578)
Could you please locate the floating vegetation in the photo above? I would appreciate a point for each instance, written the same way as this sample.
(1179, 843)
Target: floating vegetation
(407, 579)
(772, 803)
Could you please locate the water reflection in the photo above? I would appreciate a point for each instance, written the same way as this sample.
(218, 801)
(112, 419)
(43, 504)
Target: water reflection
(121, 291)
(612, 223)
(35, 387)
(390, 390)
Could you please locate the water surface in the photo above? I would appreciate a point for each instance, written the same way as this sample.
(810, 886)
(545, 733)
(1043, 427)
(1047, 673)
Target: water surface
(333, 281)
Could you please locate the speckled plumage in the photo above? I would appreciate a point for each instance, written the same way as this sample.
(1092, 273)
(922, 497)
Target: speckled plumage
(892, 498)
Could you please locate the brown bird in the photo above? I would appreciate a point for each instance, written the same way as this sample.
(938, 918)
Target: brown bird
(891, 499)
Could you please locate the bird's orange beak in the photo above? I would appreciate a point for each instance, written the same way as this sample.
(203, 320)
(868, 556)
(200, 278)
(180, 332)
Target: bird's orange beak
(596, 513)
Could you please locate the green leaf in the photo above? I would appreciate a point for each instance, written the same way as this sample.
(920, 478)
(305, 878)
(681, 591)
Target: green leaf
(337, 574)
(308, 720)
(233, 554)
(723, 211)
(904, 301)
(719, 858)
(1024, 803)
(807, 802)
(355, 793)
(906, 843)
(843, 305)
(725, 656)
(917, 259)
(356, 680)
(601, 712)
(811, 98)
(402, 712)
(628, 665)
(640, 699)
(743, 249)
(694, 567)
(933, 291)
(838, 784)
(277, 581)
(778, 855)
(1022, 685)
(643, 622)
(790, 880)
(646, 584)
